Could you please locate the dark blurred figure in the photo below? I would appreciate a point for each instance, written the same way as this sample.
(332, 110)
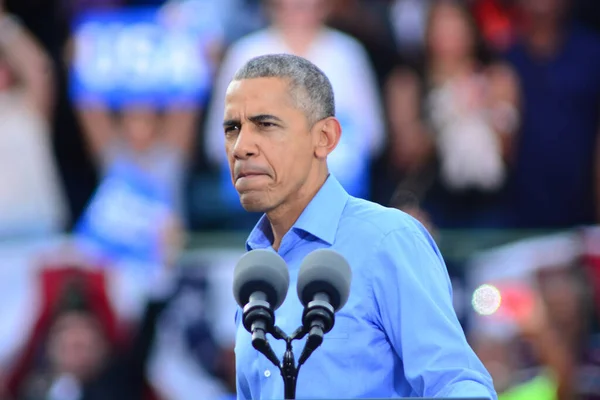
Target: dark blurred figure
(569, 298)
(369, 21)
(78, 350)
(555, 325)
(502, 354)
(556, 181)
(452, 123)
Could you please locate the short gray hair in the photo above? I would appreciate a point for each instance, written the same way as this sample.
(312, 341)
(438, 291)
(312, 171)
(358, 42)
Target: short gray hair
(309, 86)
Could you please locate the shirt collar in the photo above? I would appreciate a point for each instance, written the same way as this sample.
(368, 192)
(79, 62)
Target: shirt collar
(320, 218)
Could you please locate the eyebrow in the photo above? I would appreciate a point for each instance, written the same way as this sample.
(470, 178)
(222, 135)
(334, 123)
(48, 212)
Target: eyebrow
(254, 119)
(231, 122)
(263, 118)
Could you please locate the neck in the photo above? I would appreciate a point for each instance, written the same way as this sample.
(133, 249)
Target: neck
(283, 217)
(299, 41)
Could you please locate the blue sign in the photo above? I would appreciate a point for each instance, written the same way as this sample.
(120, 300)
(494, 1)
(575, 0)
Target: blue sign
(141, 55)
(126, 215)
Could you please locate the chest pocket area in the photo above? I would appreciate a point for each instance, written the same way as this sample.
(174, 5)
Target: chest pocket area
(342, 328)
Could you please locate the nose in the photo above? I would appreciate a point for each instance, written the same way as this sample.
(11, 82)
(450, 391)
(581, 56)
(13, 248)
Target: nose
(245, 144)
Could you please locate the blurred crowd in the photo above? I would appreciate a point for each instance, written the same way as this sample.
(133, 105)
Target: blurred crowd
(466, 114)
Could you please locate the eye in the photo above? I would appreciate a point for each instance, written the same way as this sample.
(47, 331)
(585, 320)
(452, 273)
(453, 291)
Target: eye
(267, 125)
(232, 128)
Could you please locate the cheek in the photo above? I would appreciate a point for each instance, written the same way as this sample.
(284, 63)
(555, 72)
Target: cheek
(294, 166)
(229, 155)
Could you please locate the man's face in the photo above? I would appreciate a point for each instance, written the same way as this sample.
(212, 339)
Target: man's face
(269, 143)
(77, 345)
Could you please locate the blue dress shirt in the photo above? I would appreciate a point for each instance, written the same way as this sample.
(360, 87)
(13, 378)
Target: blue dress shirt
(398, 335)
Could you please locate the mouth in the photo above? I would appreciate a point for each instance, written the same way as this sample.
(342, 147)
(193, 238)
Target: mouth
(249, 175)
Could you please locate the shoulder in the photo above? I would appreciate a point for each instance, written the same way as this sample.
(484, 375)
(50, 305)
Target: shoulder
(386, 242)
(384, 230)
(343, 42)
(377, 221)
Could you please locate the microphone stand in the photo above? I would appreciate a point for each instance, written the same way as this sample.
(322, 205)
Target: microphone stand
(317, 319)
(287, 367)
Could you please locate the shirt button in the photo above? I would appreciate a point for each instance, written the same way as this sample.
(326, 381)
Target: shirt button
(267, 373)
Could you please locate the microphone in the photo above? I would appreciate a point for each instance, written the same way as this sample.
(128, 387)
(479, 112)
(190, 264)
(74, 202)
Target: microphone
(260, 284)
(323, 289)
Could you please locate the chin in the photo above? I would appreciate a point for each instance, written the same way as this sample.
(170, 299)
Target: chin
(253, 203)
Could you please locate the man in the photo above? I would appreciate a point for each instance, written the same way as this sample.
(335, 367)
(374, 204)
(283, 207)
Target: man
(398, 334)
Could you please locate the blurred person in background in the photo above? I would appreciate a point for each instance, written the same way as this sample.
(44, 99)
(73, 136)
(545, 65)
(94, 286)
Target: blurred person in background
(77, 349)
(452, 123)
(142, 153)
(553, 320)
(500, 350)
(140, 139)
(368, 22)
(568, 294)
(556, 180)
(191, 358)
(297, 27)
(372, 24)
(155, 142)
(80, 349)
(31, 195)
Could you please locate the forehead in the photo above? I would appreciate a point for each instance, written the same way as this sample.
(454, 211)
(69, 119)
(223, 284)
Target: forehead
(258, 95)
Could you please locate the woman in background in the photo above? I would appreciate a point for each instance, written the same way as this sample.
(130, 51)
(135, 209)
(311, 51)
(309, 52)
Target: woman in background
(31, 197)
(452, 123)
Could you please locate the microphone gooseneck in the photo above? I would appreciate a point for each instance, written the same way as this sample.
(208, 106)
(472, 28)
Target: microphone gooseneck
(260, 285)
(261, 281)
(323, 288)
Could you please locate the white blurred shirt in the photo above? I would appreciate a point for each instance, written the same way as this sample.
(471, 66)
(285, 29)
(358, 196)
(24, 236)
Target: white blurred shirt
(31, 197)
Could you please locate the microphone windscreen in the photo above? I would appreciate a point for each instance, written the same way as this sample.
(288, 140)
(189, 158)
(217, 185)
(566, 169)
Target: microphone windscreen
(324, 271)
(261, 271)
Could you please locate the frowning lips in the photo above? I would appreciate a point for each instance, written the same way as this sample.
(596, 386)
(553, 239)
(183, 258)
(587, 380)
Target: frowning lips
(244, 171)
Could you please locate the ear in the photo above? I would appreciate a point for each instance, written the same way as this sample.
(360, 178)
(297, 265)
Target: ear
(328, 134)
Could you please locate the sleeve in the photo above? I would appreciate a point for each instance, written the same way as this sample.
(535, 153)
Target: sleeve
(413, 298)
